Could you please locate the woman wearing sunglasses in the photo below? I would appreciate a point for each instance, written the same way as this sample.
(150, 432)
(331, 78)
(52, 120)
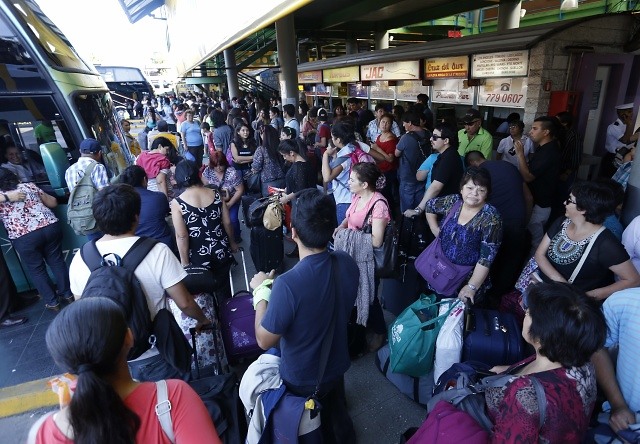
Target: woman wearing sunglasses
(568, 239)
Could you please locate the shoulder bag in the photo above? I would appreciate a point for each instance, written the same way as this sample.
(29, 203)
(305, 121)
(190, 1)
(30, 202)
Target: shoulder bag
(386, 255)
(443, 276)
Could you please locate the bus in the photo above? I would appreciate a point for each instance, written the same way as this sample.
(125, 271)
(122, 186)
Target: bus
(125, 83)
(43, 81)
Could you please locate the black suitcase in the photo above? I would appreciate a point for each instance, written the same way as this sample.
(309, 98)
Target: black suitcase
(492, 337)
(400, 292)
(414, 236)
(267, 249)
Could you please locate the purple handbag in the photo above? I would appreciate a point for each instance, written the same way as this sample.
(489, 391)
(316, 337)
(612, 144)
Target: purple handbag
(443, 276)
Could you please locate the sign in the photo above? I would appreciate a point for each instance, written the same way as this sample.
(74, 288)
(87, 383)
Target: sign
(455, 91)
(447, 68)
(310, 77)
(391, 71)
(408, 90)
(382, 90)
(503, 93)
(500, 64)
(338, 75)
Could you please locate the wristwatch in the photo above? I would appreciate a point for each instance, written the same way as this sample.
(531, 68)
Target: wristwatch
(471, 286)
(418, 210)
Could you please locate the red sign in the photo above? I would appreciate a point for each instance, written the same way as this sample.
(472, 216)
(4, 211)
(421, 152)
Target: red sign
(454, 34)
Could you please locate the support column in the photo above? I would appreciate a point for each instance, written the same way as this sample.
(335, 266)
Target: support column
(509, 14)
(286, 41)
(381, 39)
(232, 72)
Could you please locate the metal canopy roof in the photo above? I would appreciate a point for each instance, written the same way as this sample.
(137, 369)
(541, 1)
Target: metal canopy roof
(137, 9)
(511, 40)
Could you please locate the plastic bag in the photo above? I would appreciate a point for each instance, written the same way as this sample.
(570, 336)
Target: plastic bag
(449, 341)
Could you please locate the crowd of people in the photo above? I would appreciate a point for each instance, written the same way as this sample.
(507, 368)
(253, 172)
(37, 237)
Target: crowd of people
(520, 216)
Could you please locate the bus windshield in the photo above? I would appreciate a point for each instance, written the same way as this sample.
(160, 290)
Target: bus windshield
(50, 40)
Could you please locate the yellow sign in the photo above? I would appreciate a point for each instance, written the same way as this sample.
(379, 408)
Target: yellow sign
(447, 68)
(310, 77)
(391, 71)
(337, 75)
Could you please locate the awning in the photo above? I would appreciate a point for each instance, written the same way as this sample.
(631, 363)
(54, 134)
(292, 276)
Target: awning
(137, 9)
(510, 40)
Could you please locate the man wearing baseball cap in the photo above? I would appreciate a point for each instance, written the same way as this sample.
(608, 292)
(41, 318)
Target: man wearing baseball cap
(90, 158)
(619, 135)
(473, 137)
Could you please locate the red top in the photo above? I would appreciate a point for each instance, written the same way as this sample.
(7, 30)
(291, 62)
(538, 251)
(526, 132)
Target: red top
(153, 163)
(388, 147)
(191, 420)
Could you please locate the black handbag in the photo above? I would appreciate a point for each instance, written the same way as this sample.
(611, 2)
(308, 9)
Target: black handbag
(386, 255)
(254, 183)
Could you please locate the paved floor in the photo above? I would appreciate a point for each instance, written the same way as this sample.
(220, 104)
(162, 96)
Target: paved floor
(379, 411)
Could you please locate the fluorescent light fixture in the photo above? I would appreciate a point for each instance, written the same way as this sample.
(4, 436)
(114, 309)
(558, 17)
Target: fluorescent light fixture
(568, 5)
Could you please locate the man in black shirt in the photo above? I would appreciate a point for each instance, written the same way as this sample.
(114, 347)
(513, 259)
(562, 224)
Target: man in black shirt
(541, 174)
(447, 170)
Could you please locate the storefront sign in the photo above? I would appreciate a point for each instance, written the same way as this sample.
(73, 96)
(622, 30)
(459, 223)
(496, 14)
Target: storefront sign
(337, 75)
(310, 77)
(500, 64)
(382, 90)
(447, 68)
(391, 71)
(503, 93)
(408, 90)
(452, 91)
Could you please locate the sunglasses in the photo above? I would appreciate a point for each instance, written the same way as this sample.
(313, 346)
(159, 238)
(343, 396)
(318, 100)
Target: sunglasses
(435, 137)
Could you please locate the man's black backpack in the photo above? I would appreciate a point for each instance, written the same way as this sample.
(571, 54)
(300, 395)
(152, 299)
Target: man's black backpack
(424, 149)
(113, 278)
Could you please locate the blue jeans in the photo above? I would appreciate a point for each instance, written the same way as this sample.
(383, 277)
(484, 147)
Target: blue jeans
(410, 195)
(235, 222)
(341, 211)
(38, 249)
(154, 369)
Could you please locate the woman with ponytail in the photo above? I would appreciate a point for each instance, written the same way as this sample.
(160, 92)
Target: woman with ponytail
(90, 338)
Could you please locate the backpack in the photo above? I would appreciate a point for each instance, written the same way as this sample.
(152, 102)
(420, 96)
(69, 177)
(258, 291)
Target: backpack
(79, 211)
(116, 281)
(424, 149)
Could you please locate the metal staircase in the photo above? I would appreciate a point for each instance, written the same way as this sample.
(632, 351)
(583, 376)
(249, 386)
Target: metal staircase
(249, 84)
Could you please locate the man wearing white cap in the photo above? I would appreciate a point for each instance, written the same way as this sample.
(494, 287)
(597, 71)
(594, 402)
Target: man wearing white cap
(619, 135)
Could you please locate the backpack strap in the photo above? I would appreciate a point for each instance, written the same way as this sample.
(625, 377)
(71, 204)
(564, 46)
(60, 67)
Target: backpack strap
(541, 398)
(163, 410)
(91, 256)
(137, 253)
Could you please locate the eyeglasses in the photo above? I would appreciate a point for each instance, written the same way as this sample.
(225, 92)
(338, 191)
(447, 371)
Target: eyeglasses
(569, 201)
(436, 137)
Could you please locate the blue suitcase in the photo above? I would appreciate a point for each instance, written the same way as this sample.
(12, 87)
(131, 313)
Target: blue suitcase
(492, 337)
(399, 292)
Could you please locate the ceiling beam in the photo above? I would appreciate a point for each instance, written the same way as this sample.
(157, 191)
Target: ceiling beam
(347, 14)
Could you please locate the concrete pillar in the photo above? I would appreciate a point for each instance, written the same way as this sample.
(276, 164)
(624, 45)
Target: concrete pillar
(232, 72)
(509, 14)
(381, 39)
(286, 41)
(352, 45)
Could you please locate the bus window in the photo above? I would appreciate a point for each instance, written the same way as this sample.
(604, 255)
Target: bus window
(97, 112)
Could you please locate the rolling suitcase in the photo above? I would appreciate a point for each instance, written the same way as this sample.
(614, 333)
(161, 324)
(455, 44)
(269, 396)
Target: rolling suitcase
(400, 292)
(219, 393)
(207, 346)
(237, 319)
(414, 236)
(267, 249)
(492, 338)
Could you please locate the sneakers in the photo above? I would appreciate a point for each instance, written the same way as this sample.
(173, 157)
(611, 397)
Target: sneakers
(12, 322)
(53, 307)
(69, 299)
